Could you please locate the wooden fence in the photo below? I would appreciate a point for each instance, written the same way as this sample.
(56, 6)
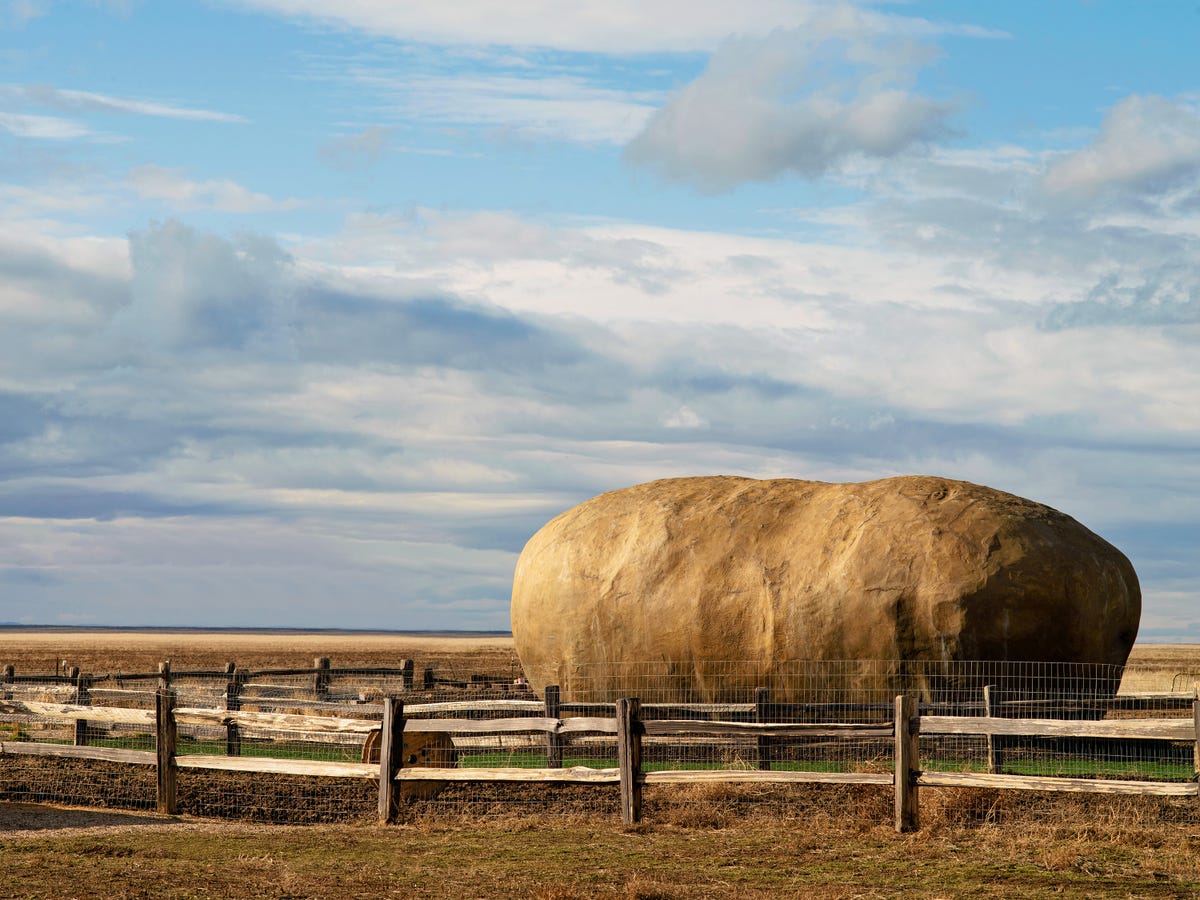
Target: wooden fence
(317, 679)
(626, 724)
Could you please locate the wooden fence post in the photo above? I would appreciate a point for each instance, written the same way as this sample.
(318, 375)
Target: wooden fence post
(995, 752)
(907, 759)
(321, 677)
(427, 679)
(406, 673)
(1196, 726)
(165, 739)
(629, 758)
(762, 715)
(554, 742)
(233, 702)
(164, 675)
(82, 698)
(10, 675)
(391, 758)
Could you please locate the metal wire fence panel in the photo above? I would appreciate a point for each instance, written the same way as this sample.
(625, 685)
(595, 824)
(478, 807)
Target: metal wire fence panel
(290, 799)
(797, 717)
(859, 692)
(832, 683)
(76, 782)
(494, 800)
(828, 693)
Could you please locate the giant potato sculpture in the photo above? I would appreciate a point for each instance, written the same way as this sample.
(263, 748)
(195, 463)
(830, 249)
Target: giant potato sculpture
(654, 588)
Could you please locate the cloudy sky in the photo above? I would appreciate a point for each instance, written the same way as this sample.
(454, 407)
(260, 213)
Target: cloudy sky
(311, 313)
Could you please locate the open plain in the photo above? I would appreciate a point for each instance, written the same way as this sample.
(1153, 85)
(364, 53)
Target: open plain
(827, 841)
(105, 650)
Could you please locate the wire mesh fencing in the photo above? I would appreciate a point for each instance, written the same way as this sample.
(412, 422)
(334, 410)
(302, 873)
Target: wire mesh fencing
(728, 720)
(855, 699)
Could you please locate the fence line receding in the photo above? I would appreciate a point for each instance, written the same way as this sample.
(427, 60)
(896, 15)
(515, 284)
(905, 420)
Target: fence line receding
(199, 742)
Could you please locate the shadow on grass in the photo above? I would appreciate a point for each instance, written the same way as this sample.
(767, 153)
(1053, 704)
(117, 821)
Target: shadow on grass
(20, 817)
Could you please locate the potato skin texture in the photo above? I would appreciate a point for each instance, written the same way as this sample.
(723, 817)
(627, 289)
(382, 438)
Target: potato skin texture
(683, 574)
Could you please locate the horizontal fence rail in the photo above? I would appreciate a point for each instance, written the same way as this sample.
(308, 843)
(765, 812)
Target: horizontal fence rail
(949, 734)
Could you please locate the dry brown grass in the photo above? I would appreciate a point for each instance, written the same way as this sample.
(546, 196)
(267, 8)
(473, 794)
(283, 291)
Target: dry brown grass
(1154, 666)
(1034, 845)
(103, 651)
(712, 840)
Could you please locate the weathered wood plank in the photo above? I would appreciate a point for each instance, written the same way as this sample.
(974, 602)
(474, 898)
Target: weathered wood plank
(119, 697)
(582, 724)
(696, 728)
(282, 706)
(279, 691)
(773, 776)
(279, 766)
(573, 774)
(483, 726)
(1196, 735)
(192, 715)
(513, 726)
(106, 754)
(705, 708)
(473, 705)
(1049, 783)
(335, 738)
(1129, 729)
(74, 712)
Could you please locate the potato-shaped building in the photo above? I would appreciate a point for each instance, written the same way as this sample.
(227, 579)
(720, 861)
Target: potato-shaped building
(701, 588)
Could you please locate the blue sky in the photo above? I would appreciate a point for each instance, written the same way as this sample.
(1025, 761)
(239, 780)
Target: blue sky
(312, 313)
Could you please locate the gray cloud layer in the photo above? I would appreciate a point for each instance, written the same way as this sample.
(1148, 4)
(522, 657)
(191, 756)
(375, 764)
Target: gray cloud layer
(362, 428)
(800, 102)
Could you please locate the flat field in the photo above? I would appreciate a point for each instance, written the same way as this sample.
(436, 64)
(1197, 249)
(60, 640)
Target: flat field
(974, 844)
(828, 841)
(104, 650)
(109, 650)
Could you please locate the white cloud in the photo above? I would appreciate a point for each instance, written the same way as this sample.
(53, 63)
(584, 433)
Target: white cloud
(348, 389)
(194, 290)
(559, 107)
(804, 101)
(152, 182)
(684, 417)
(51, 128)
(363, 148)
(22, 11)
(616, 26)
(89, 101)
(1147, 143)
(613, 26)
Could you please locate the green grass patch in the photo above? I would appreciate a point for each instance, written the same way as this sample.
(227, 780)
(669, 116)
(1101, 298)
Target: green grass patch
(1090, 768)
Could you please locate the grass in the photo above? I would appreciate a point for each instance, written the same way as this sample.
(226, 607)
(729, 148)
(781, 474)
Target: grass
(1105, 848)
(188, 746)
(1142, 770)
(699, 841)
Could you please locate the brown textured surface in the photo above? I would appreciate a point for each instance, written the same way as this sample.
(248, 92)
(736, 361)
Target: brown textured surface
(724, 568)
(430, 749)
